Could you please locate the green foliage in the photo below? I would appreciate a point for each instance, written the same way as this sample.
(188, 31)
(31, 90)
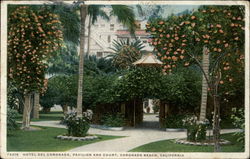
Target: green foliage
(175, 87)
(113, 120)
(96, 11)
(70, 21)
(78, 126)
(196, 130)
(98, 66)
(126, 52)
(239, 122)
(201, 132)
(139, 82)
(156, 105)
(66, 62)
(11, 120)
(61, 90)
(125, 15)
(98, 89)
(14, 97)
(174, 121)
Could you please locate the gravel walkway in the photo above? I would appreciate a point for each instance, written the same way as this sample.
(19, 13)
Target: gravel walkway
(134, 136)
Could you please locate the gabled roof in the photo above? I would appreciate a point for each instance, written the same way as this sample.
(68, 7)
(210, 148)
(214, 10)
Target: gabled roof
(148, 59)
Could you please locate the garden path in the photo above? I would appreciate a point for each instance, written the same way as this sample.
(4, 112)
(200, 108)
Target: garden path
(134, 137)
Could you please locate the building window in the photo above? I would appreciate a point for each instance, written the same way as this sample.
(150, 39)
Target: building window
(112, 27)
(109, 39)
(99, 54)
(102, 25)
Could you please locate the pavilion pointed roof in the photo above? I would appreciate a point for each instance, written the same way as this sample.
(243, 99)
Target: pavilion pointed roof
(149, 59)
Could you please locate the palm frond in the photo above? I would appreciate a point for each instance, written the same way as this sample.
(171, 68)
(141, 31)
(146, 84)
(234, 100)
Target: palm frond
(125, 15)
(96, 11)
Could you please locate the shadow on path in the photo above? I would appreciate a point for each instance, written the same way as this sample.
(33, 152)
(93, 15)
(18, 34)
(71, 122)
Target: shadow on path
(150, 121)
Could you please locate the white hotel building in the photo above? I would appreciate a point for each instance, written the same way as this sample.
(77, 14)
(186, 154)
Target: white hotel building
(103, 33)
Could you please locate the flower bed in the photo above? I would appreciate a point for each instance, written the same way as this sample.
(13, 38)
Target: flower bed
(203, 143)
(73, 138)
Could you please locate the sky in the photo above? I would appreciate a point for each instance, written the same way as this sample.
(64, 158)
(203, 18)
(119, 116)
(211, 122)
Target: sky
(167, 9)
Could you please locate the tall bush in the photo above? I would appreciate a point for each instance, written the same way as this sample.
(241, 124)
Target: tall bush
(239, 122)
(11, 120)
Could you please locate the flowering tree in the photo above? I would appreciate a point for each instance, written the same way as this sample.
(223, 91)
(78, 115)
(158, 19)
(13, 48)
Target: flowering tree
(33, 35)
(214, 30)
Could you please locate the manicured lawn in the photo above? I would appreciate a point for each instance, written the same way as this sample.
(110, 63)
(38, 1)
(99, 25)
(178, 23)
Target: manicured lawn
(44, 140)
(45, 116)
(170, 146)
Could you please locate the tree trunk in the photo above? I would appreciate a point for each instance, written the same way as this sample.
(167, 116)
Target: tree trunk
(83, 14)
(216, 117)
(36, 106)
(89, 36)
(26, 111)
(216, 124)
(205, 67)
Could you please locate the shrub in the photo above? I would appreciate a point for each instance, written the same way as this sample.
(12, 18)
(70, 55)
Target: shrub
(11, 120)
(196, 130)
(78, 126)
(239, 122)
(174, 121)
(201, 132)
(113, 120)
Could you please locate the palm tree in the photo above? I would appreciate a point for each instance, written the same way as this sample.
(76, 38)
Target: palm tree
(83, 15)
(124, 14)
(126, 52)
(205, 66)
